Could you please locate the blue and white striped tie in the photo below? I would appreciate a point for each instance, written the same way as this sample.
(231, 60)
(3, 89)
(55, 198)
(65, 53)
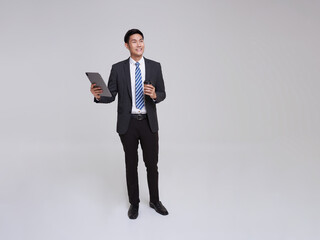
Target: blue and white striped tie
(139, 88)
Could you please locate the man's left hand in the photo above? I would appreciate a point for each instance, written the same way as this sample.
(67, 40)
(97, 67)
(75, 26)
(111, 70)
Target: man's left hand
(150, 91)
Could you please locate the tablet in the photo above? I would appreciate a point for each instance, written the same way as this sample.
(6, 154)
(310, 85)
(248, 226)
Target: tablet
(96, 78)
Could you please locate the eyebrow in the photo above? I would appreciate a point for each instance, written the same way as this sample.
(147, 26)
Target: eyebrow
(141, 39)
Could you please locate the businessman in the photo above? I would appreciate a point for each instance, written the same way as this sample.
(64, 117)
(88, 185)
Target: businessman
(138, 82)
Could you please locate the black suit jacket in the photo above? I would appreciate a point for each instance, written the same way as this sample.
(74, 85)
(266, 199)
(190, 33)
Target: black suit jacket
(120, 83)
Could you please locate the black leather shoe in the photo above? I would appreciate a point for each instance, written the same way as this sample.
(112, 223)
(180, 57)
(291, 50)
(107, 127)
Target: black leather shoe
(159, 208)
(133, 211)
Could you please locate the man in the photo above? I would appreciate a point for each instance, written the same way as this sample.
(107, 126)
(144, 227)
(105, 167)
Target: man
(139, 84)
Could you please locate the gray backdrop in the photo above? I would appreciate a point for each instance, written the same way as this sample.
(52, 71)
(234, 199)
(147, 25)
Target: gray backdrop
(239, 130)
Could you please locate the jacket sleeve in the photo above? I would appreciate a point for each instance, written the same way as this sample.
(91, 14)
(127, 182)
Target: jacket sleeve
(160, 89)
(113, 88)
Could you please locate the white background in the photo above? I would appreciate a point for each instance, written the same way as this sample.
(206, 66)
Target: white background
(239, 130)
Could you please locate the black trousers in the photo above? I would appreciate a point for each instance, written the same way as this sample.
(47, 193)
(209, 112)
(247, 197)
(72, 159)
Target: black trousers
(139, 130)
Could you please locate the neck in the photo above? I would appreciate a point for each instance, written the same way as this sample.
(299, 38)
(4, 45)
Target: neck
(136, 58)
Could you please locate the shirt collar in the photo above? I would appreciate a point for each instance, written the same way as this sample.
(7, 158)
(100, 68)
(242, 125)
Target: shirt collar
(141, 61)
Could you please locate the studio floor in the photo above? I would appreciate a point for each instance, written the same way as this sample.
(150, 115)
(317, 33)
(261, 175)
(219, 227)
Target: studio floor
(212, 191)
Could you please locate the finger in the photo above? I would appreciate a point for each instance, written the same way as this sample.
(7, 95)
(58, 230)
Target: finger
(92, 85)
(148, 90)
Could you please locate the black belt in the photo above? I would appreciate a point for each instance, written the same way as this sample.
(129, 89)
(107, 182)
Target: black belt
(139, 116)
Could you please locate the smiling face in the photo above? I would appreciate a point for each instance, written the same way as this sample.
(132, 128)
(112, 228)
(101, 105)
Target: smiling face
(135, 46)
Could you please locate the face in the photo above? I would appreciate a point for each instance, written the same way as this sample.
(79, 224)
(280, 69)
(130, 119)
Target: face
(135, 45)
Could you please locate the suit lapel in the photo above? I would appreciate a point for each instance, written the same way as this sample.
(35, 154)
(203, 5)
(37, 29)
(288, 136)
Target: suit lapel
(126, 67)
(147, 68)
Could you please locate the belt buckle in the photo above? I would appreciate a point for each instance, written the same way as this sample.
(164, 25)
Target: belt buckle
(139, 117)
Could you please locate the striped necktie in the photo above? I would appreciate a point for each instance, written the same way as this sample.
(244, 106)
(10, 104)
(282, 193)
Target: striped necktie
(139, 88)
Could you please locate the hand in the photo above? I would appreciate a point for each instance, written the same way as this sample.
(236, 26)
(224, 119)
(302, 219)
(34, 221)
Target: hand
(95, 90)
(150, 91)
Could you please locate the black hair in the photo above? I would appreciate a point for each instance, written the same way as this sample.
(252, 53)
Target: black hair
(131, 32)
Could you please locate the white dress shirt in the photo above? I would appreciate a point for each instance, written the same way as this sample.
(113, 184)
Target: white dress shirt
(142, 66)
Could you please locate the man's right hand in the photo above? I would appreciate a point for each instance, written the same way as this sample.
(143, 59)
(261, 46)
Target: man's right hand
(96, 91)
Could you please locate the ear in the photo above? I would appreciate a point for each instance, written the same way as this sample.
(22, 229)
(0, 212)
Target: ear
(126, 45)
